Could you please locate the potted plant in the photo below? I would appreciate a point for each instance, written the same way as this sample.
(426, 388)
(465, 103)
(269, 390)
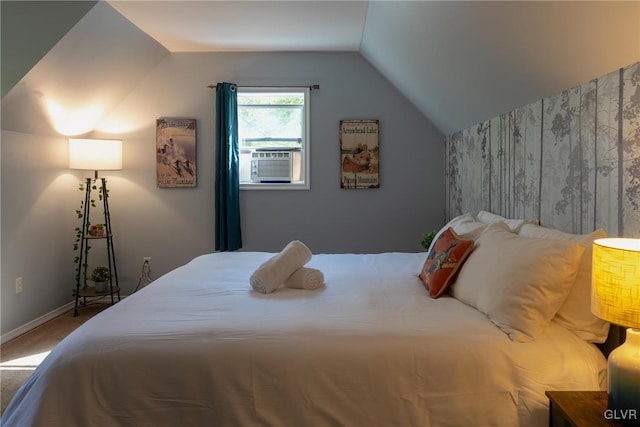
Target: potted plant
(100, 230)
(427, 238)
(100, 276)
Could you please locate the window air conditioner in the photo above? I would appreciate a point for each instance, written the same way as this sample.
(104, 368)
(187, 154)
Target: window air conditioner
(271, 166)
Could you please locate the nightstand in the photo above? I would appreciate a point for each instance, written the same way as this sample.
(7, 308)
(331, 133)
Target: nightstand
(580, 409)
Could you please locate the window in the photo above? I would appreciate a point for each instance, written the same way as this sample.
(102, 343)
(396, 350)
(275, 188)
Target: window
(273, 137)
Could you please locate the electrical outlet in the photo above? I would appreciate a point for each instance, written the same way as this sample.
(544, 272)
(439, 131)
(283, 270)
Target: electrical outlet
(147, 259)
(18, 285)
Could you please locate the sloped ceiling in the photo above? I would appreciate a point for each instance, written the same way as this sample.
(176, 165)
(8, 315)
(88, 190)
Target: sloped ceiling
(21, 46)
(462, 63)
(459, 62)
(83, 77)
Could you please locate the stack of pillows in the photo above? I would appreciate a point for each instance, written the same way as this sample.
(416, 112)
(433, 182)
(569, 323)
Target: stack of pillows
(521, 275)
(287, 268)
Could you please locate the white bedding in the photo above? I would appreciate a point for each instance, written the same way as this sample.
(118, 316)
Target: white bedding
(198, 347)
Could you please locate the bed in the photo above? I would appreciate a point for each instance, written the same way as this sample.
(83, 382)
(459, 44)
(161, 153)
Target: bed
(369, 348)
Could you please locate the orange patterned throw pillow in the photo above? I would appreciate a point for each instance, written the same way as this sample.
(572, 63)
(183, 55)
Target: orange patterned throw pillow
(445, 259)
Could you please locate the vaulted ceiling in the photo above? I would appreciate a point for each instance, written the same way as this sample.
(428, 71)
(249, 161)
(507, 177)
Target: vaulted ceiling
(458, 62)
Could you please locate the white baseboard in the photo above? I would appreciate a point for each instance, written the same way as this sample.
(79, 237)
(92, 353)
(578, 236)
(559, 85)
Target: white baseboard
(20, 330)
(35, 323)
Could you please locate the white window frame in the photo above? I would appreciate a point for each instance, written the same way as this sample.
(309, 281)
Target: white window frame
(304, 149)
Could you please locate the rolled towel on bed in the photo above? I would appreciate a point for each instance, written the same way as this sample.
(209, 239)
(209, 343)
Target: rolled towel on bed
(273, 272)
(305, 278)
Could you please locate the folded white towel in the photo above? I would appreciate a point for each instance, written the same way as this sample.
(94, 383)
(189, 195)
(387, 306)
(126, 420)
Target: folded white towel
(305, 278)
(273, 272)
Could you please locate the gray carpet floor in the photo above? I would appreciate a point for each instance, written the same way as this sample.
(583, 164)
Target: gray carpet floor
(20, 356)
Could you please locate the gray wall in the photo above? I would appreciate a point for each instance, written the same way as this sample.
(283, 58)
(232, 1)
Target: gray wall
(39, 193)
(39, 196)
(327, 218)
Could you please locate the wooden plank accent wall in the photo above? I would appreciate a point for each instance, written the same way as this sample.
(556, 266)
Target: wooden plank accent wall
(571, 161)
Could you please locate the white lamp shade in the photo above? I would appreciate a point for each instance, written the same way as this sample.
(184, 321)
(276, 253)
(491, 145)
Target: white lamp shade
(95, 154)
(615, 284)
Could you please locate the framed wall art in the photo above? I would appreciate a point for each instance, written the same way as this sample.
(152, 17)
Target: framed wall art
(176, 153)
(359, 154)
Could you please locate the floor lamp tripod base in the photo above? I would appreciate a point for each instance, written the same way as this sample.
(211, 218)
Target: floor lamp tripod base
(113, 287)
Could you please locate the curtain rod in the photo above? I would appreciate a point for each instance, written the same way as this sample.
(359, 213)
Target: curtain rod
(312, 87)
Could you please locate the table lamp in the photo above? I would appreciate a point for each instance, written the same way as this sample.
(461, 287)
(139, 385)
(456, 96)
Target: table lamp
(615, 297)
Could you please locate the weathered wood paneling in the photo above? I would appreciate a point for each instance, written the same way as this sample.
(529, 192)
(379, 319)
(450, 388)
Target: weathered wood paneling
(571, 160)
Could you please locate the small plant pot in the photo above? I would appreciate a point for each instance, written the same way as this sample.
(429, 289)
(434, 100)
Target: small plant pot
(101, 287)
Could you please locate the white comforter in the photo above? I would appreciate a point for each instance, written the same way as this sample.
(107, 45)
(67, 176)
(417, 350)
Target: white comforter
(198, 347)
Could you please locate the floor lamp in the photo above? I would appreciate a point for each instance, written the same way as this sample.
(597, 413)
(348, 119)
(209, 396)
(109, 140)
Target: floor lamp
(96, 155)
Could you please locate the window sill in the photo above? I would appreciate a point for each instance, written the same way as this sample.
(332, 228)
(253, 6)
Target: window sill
(274, 186)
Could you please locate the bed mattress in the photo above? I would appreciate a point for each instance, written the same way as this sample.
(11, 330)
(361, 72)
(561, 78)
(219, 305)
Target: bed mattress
(371, 348)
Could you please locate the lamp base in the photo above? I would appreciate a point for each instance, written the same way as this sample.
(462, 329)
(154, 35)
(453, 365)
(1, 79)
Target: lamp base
(624, 381)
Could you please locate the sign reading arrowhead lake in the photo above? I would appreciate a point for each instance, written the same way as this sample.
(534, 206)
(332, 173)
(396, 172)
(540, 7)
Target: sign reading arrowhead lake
(359, 154)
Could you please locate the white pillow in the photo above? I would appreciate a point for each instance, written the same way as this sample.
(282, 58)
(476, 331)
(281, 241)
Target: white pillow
(519, 283)
(513, 224)
(465, 226)
(575, 314)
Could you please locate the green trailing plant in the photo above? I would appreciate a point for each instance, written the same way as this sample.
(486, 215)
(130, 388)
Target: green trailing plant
(82, 269)
(427, 238)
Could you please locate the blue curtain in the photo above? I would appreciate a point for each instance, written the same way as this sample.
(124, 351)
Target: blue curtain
(228, 236)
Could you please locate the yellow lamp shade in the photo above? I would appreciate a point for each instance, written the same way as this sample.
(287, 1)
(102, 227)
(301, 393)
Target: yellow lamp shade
(615, 285)
(95, 154)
